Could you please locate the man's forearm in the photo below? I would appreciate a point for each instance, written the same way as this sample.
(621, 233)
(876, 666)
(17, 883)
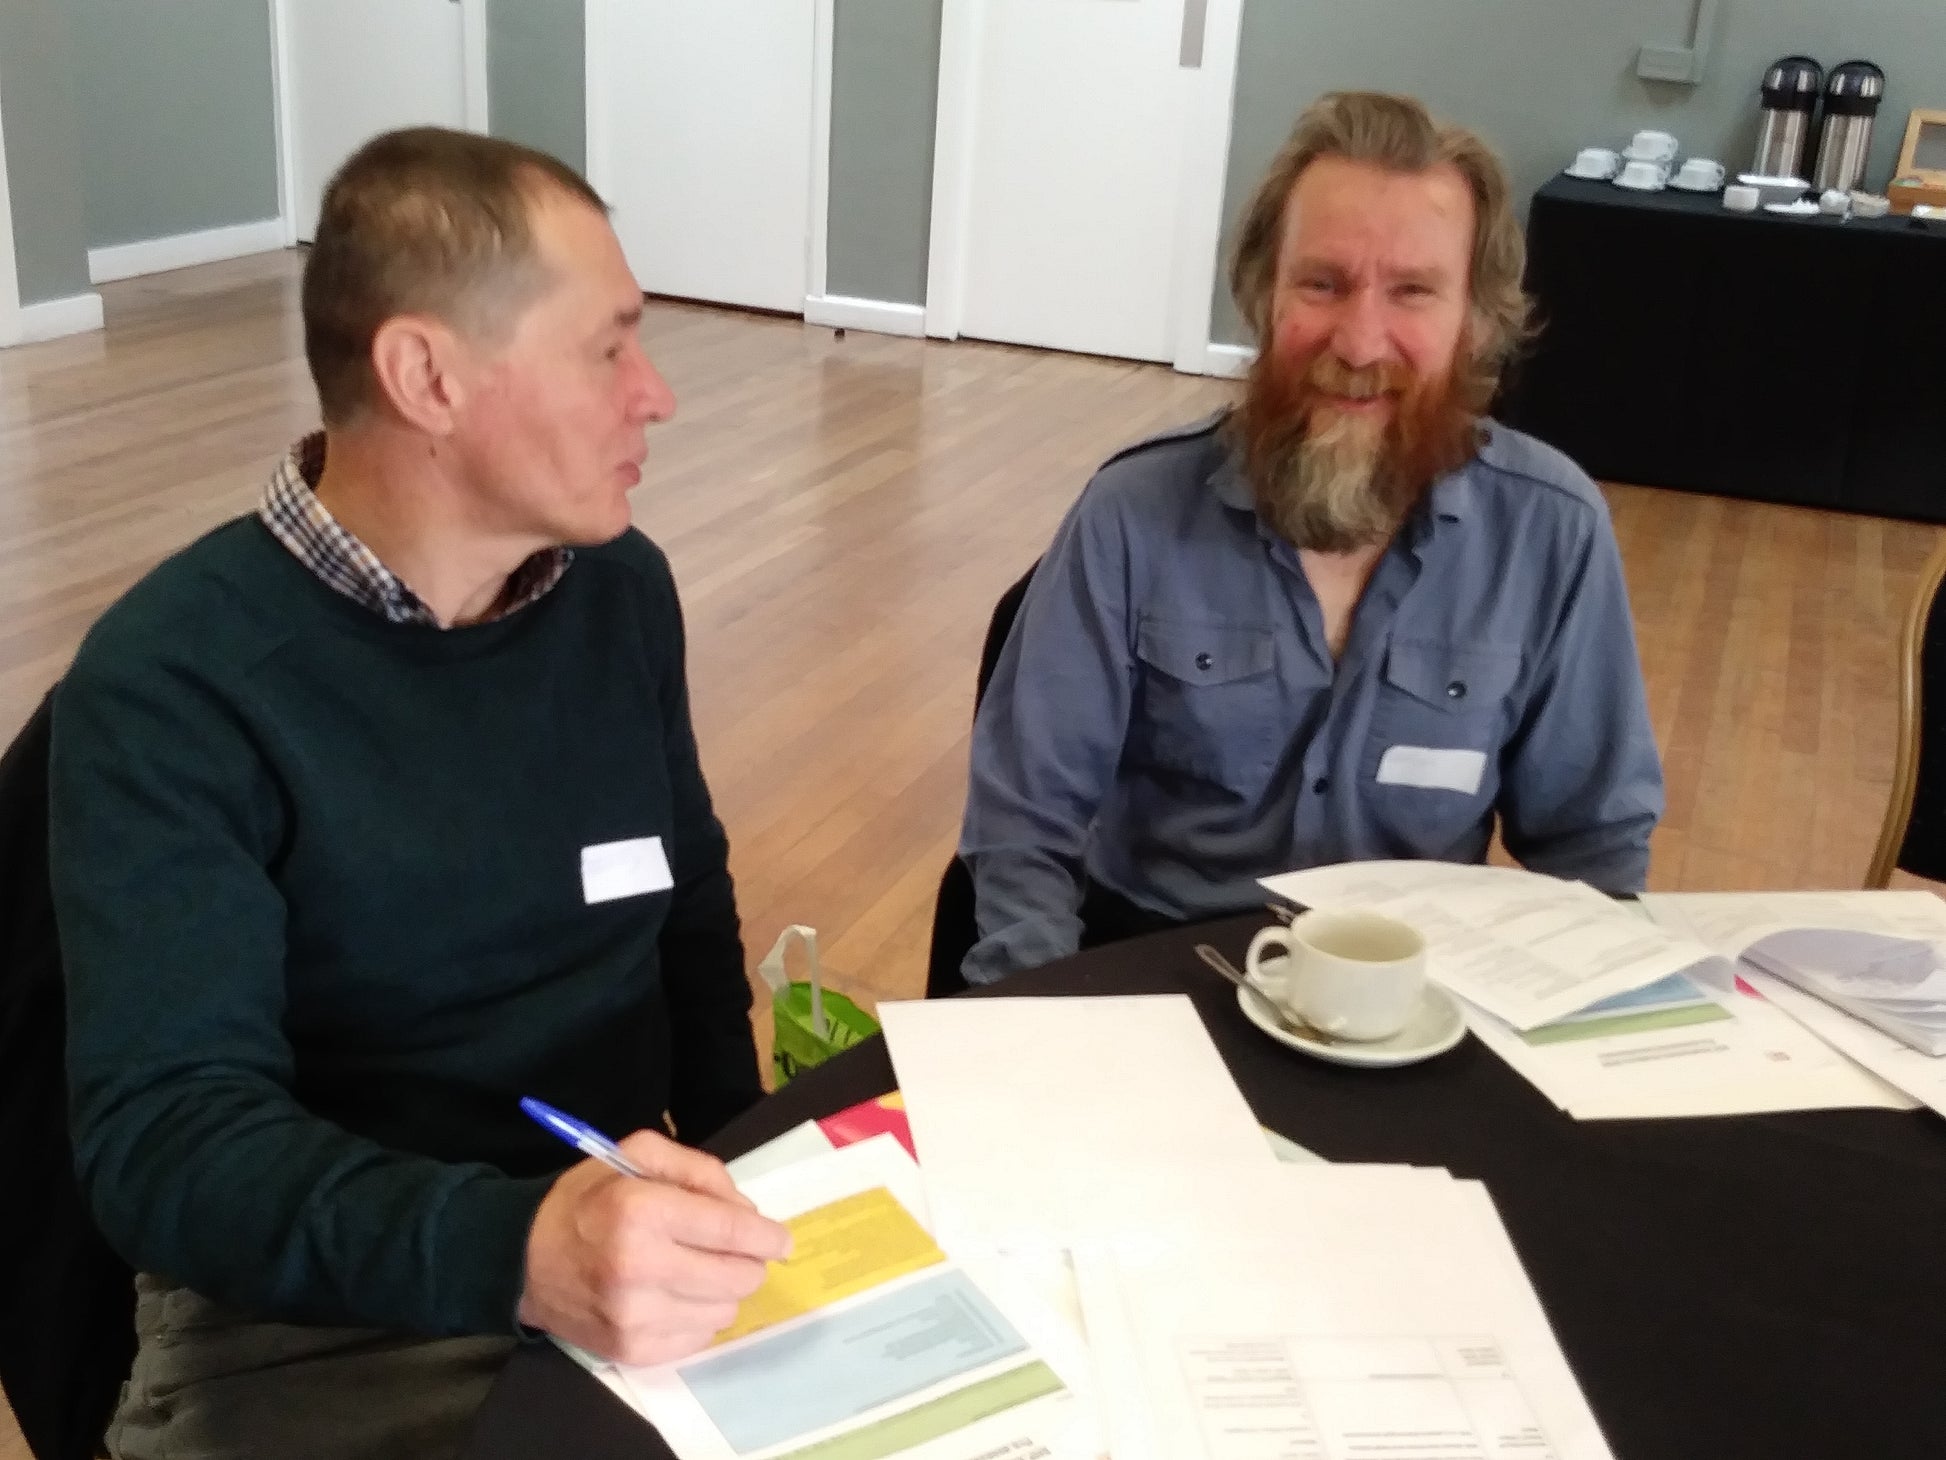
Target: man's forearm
(1027, 908)
(232, 1190)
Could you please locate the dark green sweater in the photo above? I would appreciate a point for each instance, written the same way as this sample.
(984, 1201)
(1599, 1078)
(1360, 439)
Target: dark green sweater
(320, 898)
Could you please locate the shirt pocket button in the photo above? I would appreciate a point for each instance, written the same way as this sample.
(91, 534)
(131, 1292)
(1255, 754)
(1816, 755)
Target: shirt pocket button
(1203, 661)
(1456, 690)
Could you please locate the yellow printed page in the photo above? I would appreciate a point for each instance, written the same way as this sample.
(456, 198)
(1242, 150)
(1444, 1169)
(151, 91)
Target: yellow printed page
(837, 1250)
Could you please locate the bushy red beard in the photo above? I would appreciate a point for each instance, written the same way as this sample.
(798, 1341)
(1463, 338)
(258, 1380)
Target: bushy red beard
(1333, 481)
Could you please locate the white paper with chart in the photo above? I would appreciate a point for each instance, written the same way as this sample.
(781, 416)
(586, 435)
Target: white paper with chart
(1698, 1043)
(1372, 1312)
(1850, 966)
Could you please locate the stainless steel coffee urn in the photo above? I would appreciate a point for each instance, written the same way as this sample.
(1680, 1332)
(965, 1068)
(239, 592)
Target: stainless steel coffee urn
(1790, 92)
(1851, 99)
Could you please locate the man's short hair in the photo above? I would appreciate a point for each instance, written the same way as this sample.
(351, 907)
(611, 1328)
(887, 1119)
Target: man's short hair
(1395, 133)
(423, 221)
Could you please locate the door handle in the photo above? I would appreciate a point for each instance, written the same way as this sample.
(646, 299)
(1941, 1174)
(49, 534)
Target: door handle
(1195, 20)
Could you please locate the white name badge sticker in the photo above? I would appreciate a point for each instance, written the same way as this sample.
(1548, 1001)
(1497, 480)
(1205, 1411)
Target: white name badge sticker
(1433, 770)
(614, 870)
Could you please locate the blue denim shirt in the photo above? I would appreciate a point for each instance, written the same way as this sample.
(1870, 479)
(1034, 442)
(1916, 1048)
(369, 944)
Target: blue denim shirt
(1167, 718)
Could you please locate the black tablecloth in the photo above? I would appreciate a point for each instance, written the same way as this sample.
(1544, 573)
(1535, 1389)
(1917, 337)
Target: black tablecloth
(1765, 1286)
(1782, 359)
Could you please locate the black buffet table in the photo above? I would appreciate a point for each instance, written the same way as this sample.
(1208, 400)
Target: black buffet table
(1770, 1287)
(1797, 360)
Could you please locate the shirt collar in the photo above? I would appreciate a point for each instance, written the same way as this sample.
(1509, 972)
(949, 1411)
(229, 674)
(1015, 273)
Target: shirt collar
(305, 526)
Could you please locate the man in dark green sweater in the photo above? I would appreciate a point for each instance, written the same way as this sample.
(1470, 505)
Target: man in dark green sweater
(380, 808)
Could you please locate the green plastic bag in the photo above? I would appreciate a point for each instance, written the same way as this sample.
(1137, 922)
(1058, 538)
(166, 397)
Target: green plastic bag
(811, 1023)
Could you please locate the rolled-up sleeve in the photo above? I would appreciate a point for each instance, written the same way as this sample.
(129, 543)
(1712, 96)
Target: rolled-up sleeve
(1046, 744)
(1581, 778)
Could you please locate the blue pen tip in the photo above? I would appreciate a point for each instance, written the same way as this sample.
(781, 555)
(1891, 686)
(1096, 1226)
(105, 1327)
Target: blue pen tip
(548, 1116)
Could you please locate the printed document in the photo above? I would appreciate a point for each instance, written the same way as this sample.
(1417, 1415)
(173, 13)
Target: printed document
(869, 1342)
(1370, 1313)
(1767, 929)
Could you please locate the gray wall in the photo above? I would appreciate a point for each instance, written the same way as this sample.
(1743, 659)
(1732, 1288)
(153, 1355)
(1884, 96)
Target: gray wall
(50, 230)
(178, 129)
(884, 94)
(536, 91)
(1542, 77)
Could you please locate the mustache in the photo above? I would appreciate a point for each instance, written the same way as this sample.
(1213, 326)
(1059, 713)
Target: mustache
(1330, 376)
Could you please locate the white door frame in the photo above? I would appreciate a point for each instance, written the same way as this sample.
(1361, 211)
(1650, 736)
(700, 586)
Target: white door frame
(824, 19)
(473, 46)
(597, 159)
(10, 328)
(821, 306)
(1199, 219)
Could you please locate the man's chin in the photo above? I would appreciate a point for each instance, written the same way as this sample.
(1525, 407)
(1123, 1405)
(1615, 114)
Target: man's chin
(598, 528)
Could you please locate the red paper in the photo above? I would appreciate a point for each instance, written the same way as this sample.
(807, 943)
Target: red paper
(870, 1118)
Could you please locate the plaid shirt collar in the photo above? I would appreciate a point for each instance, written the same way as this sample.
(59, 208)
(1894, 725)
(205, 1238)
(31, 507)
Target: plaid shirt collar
(291, 510)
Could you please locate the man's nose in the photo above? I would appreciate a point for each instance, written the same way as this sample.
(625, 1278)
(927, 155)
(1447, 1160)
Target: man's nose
(651, 399)
(1360, 338)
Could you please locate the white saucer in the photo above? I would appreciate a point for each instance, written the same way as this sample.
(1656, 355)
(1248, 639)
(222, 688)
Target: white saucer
(1433, 1029)
(1600, 174)
(1654, 187)
(1802, 208)
(1683, 187)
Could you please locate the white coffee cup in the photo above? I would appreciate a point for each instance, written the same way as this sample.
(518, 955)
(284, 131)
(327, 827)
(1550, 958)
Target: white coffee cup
(1700, 173)
(1834, 202)
(1352, 975)
(1595, 162)
(1655, 146)
(1741, 198)
(1644, 176)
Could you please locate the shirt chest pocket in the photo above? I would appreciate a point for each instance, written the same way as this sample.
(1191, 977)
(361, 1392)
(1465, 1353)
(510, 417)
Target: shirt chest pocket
(1442, 714)
(1207, 704)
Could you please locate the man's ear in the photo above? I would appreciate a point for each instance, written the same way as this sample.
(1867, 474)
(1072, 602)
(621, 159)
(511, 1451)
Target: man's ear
(418, 362)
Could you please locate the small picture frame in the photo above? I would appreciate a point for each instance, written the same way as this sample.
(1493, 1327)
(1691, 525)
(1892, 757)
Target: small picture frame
(1922, 156)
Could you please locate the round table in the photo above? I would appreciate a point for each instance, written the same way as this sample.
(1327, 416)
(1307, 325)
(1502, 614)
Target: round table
(1766, 1286)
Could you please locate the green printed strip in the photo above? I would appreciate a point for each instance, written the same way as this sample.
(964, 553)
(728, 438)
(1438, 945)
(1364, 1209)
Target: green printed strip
(1646, 1022)
(938, 1417)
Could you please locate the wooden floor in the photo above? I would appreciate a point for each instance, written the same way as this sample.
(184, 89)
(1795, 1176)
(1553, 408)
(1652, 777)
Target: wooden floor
(842, 513)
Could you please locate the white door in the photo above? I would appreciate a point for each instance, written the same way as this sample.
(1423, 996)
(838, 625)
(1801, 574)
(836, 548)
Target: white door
(1085, 140)
(699, 137)
(350, 69)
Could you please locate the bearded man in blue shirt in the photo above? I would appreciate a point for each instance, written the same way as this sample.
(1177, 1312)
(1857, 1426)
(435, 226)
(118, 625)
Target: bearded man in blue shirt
(1351, 618)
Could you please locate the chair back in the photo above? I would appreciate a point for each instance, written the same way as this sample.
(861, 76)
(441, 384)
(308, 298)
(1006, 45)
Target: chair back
(954, 930)
(1913, 837)
(67, 1302)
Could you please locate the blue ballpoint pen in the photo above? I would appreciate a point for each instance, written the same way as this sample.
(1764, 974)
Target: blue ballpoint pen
(583, 1137)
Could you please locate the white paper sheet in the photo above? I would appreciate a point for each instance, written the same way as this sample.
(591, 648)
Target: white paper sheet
(1528, 949)
(799, 1143)
(1033, 1116)
(1374, 1315)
